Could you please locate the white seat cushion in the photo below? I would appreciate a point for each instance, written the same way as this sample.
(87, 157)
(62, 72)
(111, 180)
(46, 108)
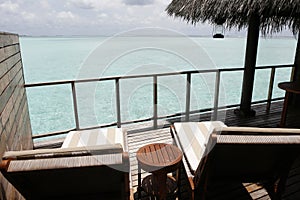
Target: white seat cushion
(194, 137)
(101, 136)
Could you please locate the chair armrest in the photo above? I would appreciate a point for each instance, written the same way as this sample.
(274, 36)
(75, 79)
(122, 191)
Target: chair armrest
(254, 130)
(119, 159)
(63, 152)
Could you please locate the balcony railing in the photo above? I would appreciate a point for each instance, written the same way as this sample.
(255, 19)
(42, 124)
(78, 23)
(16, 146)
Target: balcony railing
(187, 113)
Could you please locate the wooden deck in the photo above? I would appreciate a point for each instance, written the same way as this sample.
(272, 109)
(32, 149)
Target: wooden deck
(140, 135)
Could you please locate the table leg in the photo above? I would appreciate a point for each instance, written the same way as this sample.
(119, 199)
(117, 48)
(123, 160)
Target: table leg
(159, 181)
(284, 110)
(178, 179)
(139, 188)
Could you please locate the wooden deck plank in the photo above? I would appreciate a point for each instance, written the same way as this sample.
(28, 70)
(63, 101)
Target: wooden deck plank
(140, 136)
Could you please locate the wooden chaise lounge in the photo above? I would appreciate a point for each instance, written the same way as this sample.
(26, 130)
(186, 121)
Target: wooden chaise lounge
(216, 154)
(84, 172)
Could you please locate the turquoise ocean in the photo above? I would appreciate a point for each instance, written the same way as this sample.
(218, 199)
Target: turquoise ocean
(47, 59)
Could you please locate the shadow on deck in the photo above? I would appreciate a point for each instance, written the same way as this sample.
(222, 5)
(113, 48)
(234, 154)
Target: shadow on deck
(140, 135)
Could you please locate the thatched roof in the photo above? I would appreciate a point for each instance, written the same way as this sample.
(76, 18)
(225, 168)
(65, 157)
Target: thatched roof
(274, 14)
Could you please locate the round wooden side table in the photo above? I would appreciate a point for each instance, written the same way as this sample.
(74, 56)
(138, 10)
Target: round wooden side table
(289, 87)
(159, 159)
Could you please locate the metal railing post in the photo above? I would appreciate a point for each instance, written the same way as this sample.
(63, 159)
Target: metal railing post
(118, 104)
(155, 102)
(188, 97)
(75, 105)
(216, 96)
(270, 92)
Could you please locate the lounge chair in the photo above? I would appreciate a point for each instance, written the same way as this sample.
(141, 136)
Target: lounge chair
(99, 171)
(215, 153)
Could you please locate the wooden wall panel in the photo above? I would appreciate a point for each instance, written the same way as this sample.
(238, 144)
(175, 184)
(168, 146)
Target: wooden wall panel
(15, 128)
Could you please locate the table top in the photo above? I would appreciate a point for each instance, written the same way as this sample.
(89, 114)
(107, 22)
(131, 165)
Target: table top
(293, 87)
(159, 156)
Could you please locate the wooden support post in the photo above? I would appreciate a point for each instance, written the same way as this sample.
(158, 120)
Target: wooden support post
(297, 61)
(250, 63)
(295, 98)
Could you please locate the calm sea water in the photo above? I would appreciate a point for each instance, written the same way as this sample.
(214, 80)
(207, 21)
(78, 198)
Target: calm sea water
(59, 58)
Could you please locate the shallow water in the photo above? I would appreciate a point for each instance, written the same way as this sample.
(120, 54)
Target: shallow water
(61, 58)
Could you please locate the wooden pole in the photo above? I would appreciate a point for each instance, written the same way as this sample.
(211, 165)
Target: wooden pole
(250, 63)
(297, 61)
(295, 98)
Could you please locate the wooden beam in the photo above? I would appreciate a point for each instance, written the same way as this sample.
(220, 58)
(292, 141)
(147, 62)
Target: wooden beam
(249, 67)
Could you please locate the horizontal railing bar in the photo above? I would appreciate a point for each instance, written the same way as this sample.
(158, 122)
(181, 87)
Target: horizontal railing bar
(169, 74)
(277, 99)
(148, 75)
(137, 121)
(101, 126)
(276, 66)
(205, 110)
(231, 69)
(224, 107)
(117, 77)
(253, 103)
(52, 134)
(265, 101)
(259, 67)
(43, 135)
(47, 83)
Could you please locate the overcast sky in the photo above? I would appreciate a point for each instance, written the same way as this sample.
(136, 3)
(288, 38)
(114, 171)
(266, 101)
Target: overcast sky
(91, 17)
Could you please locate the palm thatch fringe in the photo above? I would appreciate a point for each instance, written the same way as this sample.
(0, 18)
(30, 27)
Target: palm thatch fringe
(274, 15)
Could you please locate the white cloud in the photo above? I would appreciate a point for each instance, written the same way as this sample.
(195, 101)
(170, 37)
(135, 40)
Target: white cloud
(28, 16)
(10, 7)
(138, 2)
(102, 16)
(84, 4)
(65, 15)
(45, 4)
(94, 4)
